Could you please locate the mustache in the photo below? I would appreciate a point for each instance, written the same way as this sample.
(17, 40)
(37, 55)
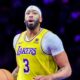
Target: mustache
(31, 26)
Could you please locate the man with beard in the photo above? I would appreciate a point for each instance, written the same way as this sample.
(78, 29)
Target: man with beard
(39, 52)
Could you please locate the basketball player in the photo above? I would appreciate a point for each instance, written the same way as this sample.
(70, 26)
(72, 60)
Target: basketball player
(39, 52)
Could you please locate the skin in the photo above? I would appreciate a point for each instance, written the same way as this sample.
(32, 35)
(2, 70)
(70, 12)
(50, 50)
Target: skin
(32, 15)
(63, 72)
(61, 59)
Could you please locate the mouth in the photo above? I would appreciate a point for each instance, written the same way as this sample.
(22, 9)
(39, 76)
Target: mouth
(30, 20)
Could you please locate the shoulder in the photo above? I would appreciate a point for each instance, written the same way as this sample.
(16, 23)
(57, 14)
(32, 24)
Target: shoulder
(16, 37)
(50, 36)
(51, 43)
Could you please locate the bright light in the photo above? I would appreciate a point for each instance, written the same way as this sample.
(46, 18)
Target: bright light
(48, 1)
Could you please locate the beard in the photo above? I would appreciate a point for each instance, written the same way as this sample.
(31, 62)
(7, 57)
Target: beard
(32, 26)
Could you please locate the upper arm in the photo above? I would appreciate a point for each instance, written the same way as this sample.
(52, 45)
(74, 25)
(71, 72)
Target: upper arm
(63, 63)
(62, 59)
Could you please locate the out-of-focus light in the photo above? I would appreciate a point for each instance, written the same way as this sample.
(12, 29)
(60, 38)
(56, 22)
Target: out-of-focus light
(75, 15)
(77, 38)
(48, 1)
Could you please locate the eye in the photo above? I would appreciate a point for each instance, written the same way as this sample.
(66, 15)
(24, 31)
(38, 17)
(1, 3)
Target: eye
(27, 13)
(35, 13)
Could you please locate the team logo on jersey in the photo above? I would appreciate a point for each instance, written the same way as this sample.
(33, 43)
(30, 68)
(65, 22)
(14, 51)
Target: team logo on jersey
(36, 40)
(22, 50)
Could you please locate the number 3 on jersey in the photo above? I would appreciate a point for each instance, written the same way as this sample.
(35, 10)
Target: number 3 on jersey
(26, 69)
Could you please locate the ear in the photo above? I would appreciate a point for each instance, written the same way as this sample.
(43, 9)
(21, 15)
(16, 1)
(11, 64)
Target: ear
(40, 19)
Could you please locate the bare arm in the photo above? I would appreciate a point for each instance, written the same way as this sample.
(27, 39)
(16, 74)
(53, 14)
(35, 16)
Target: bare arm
(65, 68)
(64, 71)
(15, 72)
(59, 55)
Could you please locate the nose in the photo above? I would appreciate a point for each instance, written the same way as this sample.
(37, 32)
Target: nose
(30, 16)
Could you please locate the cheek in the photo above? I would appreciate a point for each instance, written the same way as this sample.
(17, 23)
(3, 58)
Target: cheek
(26, 17)
(36, 17)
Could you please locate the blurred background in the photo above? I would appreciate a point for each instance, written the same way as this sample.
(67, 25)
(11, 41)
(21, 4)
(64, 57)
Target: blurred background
(60, 16)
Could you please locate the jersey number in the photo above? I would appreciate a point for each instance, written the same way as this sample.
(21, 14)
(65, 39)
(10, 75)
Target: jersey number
(26, 69)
